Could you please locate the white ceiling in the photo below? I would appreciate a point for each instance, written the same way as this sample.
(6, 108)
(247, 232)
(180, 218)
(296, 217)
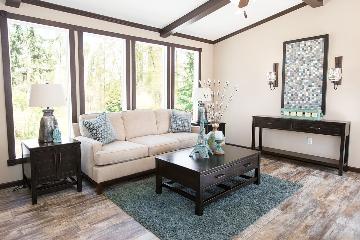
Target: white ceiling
(160, 13)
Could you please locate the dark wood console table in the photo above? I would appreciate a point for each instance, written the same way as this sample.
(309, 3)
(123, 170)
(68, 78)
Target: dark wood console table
(324, 127)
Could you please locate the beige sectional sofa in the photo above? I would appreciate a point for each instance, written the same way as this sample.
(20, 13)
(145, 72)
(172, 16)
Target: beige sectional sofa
(140, 136)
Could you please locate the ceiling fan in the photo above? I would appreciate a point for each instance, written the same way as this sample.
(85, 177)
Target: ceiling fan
(241, 4)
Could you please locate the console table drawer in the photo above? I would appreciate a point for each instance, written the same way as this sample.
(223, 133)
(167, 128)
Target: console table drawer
(318, 128)
(273, 123)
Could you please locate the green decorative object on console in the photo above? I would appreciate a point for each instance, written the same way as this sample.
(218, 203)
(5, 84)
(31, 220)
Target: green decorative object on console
(308, 114)
(57, 135)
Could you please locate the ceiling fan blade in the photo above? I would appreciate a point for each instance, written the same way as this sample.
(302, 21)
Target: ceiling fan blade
(243, 3)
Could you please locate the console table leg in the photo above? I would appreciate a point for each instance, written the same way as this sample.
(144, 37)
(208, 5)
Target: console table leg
(346, 158)
(341, 158)
(199, 202)
(253, 137)
(158, 184)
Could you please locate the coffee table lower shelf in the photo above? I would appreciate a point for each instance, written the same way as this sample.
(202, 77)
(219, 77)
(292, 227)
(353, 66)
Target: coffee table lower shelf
(227, 190)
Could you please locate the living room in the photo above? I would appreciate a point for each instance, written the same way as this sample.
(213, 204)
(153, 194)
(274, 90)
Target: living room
(179, 119)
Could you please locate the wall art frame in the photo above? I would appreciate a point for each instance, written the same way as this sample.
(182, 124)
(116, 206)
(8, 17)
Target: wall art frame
(304, 73)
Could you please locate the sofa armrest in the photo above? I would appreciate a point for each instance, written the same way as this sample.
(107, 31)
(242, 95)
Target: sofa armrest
(195, 129)
(89, 147)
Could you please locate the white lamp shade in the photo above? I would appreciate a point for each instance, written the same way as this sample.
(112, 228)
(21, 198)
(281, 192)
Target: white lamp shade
(47, 95)
(204, 94)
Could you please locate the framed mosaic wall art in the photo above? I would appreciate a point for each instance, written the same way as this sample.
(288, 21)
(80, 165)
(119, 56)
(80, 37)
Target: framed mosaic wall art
(305, 64)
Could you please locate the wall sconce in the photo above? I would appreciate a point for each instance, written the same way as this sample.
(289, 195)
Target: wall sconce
(273, 77)
(335, 74)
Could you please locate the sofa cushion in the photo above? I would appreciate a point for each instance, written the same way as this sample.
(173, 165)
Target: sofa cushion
(101, 129)
(163, 120)
(186, 140)
(157, 144)
(115, 119)
(139, 123)
(120, 151)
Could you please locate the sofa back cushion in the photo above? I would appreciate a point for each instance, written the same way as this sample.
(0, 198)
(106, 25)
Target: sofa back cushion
(115, 119)
(139, 123)
(163, 120)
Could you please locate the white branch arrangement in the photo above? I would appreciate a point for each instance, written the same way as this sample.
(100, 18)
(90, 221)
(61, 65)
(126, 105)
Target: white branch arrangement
(221, 95)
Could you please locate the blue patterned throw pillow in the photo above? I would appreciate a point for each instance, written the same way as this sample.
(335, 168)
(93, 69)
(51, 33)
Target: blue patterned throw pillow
(180, 122)
(100, 129)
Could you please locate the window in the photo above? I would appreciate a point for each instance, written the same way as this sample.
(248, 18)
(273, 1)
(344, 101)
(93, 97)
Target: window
(150, 76)
(38, 54)
(186, 79)
(104, 73)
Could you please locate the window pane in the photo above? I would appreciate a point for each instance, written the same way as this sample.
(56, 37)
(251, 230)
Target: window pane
(104, 68)
(150, 76)
(186, 79)
(38, 54)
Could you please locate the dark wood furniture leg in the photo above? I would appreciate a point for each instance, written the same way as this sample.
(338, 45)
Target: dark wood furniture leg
(79, 182)
(199, 202)
(253, 136)
(346, 158)
(341, 158)
(158, 184)
(257, 174)
(99, 188)
(260, 139)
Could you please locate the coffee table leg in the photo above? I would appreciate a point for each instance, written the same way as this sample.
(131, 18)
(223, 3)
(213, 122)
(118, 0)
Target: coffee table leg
(158, 184)
(199, 202)
(257, 175)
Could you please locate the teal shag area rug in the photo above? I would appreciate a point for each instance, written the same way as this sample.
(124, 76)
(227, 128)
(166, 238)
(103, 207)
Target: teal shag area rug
(170, 216)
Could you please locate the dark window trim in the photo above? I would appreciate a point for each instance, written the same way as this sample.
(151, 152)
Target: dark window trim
(74, 110)
(81, 71)
(128, 73)
(172, 78)
(133, 74)
(93, 30)
(7, 84)
(168, 77)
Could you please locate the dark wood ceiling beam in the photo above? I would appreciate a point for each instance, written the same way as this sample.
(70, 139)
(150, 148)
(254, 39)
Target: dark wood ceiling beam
(13, 3)
(193, 16)
(314, 3)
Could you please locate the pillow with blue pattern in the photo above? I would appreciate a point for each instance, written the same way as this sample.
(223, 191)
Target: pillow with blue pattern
(100, 129)
(180, 122)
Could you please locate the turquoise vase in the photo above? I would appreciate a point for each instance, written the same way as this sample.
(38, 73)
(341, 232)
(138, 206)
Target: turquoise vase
(57, 135)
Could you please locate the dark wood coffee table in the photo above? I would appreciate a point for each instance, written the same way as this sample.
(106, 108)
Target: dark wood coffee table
(201, 174)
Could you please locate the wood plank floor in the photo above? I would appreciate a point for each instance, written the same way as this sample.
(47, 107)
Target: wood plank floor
(327, 207)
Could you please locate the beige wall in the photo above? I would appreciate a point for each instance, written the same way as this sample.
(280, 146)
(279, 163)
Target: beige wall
(8, 174)
(246, 58)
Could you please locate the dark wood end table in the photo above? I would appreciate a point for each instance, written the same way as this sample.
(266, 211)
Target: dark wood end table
(49, 167)
(201, 174)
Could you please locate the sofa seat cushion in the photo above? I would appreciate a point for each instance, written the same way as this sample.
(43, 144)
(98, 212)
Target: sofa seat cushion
(186, 140)
(157, 144)
(120, 151)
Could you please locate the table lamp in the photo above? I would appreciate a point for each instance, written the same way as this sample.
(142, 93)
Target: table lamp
(47, 96)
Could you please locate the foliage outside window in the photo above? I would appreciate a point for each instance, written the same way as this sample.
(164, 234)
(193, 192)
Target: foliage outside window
(186, 79)
(104, 73)
(150, 76)
(38, 54)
